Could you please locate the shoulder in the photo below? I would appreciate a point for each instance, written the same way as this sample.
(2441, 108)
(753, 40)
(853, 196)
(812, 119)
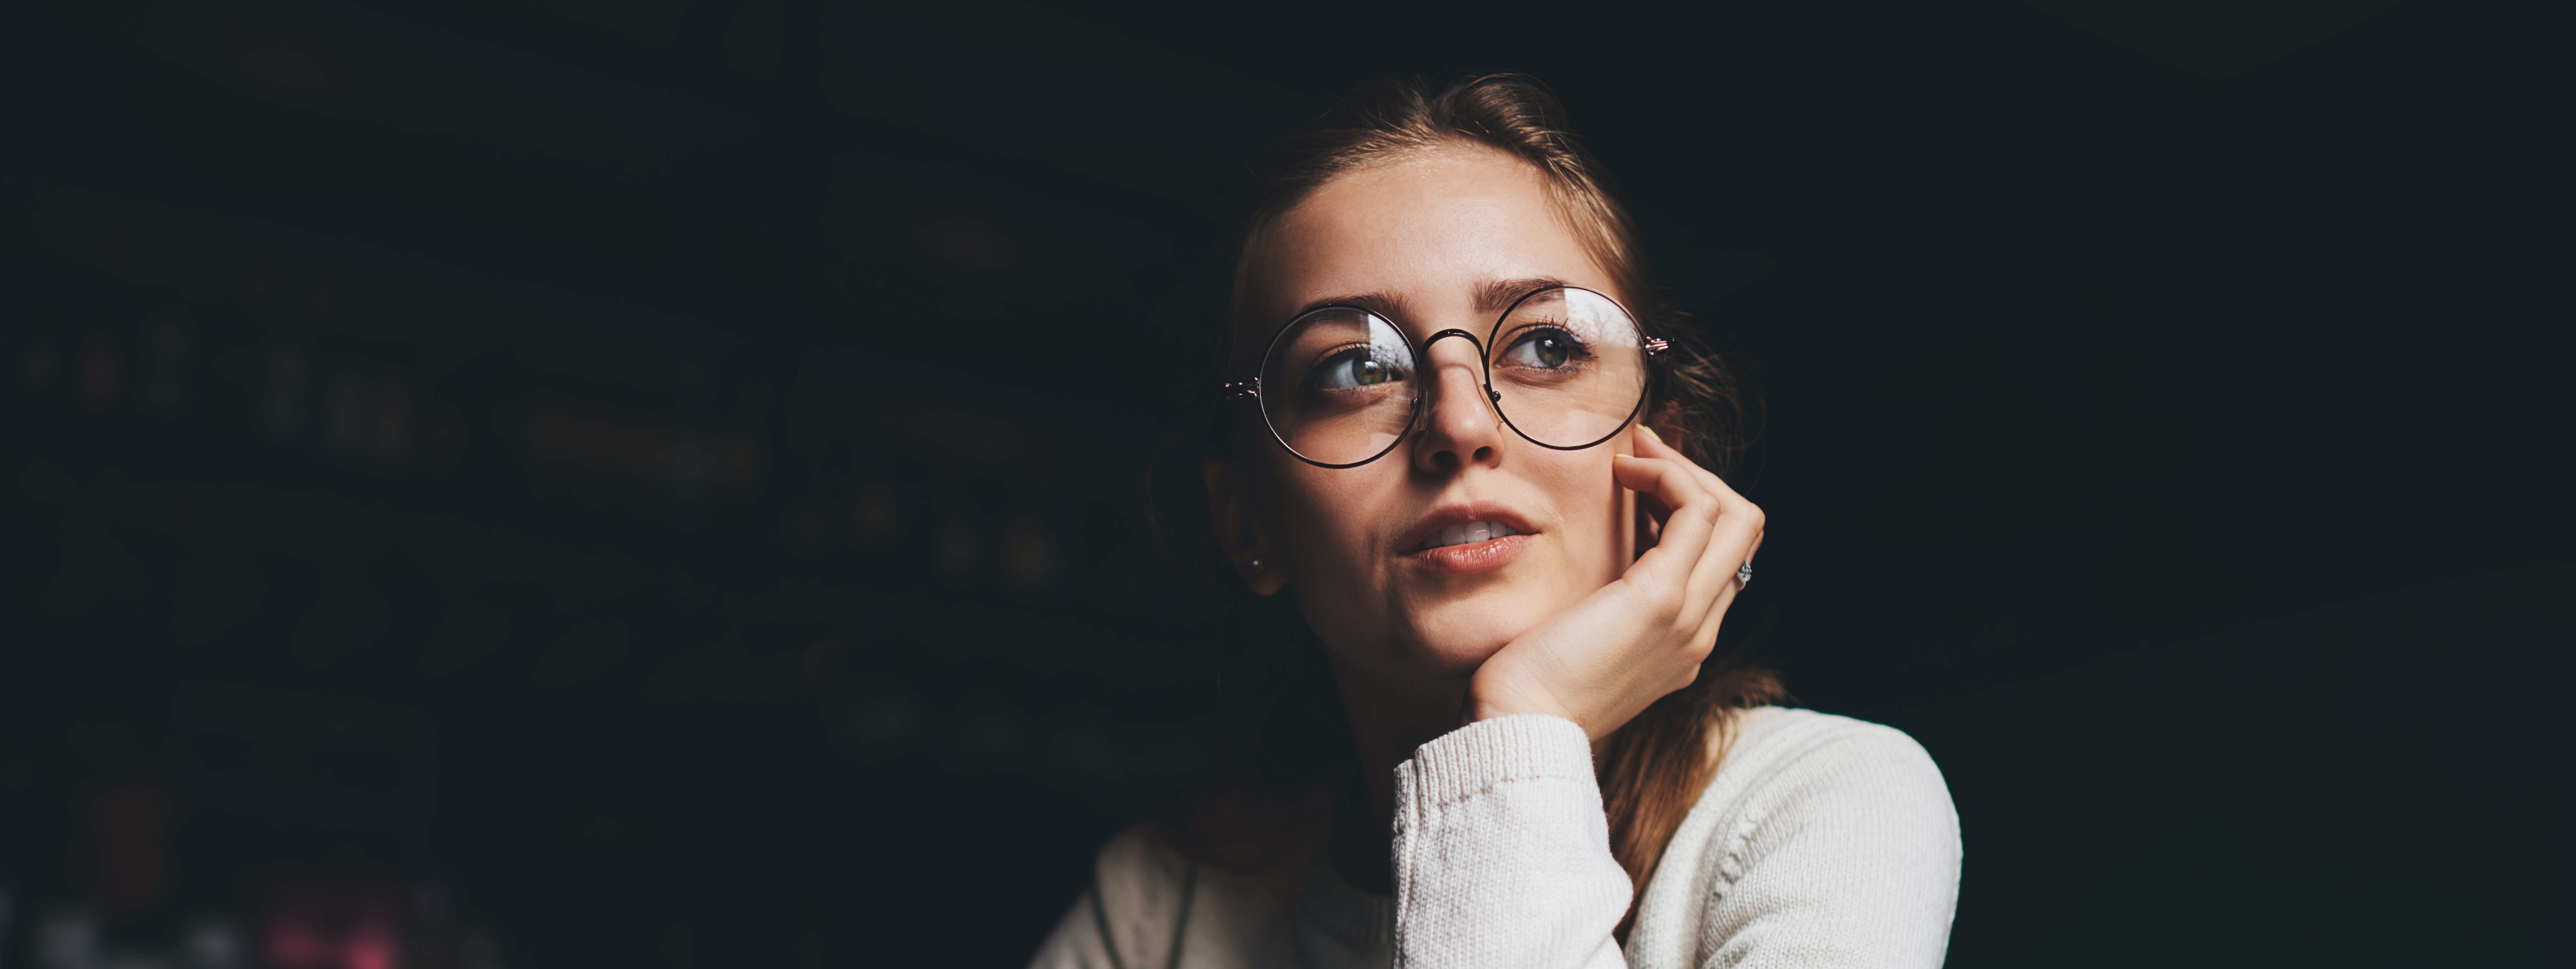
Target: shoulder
(1148, 896)
(1134, 911)
(1770, 746)
(1818, 781)
(1142, 884)
(1825, 836)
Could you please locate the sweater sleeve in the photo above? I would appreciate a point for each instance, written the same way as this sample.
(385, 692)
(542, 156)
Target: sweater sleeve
(1502, 852)
(1850, 858)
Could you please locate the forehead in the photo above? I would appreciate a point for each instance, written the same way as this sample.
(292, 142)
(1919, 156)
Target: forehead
(1430, 233)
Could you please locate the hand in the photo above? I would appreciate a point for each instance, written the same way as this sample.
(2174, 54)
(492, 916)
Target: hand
(1602, 660)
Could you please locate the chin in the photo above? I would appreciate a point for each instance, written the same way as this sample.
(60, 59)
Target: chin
(1455, 639)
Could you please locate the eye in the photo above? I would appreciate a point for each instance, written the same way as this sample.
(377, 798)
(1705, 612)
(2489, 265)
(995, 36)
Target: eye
(1545, 348)
(1353, 368)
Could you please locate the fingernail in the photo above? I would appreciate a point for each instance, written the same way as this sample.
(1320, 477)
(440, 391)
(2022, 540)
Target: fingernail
(1650, 432)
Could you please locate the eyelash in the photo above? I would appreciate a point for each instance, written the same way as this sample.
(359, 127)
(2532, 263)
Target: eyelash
(1340, 356)
(1579, 349)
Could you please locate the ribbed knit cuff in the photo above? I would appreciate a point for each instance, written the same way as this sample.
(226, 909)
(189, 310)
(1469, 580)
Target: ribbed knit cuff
(1472, 759)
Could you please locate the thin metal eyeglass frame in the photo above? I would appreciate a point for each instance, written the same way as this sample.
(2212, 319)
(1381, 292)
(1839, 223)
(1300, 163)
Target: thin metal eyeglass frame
(1653, 346)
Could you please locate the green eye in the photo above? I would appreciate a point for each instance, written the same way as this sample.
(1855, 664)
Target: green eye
(1543, 350)
(1551, 352)
(1355, 368)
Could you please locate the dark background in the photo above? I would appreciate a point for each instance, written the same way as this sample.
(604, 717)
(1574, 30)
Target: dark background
(654, 483)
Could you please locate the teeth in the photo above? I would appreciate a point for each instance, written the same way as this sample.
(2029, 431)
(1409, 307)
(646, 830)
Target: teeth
(1469, 532)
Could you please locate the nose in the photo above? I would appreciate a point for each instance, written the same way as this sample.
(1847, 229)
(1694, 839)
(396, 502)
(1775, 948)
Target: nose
(1462, 427)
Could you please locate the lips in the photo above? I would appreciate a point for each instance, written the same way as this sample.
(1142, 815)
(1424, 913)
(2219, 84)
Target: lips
(1469, 532)
(1469, 537)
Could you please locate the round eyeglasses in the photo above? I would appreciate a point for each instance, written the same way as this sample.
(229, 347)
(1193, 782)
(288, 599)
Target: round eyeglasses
(1565, 367)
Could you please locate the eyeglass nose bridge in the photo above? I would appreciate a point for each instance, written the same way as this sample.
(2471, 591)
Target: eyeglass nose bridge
(1482, 364)
(1655, 350)
(1445, 334)
(1484, 376)
(1251, 389)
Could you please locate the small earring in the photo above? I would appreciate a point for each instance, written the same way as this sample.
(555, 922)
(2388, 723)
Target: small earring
(1256, 565)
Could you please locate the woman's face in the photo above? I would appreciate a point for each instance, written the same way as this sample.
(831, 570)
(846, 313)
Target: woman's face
(1433, 242)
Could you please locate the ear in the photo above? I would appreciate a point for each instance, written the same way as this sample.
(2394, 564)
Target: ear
(1239, 529)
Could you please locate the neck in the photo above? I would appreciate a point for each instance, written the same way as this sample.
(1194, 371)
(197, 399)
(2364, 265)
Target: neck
(1391, 715)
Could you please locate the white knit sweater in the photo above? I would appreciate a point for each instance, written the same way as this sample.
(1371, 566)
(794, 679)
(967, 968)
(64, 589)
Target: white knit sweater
(1823, 841)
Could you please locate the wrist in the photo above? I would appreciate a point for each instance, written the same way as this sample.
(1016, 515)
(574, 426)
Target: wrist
(1489, 700)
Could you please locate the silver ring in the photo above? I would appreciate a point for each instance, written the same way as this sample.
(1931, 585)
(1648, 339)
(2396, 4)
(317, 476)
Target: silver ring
(1744, 573)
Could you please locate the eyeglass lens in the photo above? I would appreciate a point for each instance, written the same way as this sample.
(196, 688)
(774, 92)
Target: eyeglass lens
(1339, 385)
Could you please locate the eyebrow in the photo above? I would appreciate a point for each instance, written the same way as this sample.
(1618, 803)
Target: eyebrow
(1491, 298)
(1495, 296)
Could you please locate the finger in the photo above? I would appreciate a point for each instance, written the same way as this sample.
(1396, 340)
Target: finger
(1730, 546)
(1651, 445)
(1686, 512)
(1728, 501)
(1706, 641)
(1686, 530)
(1648, 522)
(1654, 511)
(1660, 496)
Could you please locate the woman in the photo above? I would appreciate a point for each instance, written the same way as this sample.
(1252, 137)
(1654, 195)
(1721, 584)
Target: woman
(1482, 482)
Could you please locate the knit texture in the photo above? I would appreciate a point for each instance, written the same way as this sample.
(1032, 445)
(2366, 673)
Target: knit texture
(1499, 824)
(1822, 842)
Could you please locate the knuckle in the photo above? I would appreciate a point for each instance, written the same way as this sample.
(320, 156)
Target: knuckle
(1687, 618)
(1673, 612)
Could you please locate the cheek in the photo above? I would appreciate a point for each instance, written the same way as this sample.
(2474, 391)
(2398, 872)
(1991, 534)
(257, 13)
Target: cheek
(1593, 513)
(1322, 516)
